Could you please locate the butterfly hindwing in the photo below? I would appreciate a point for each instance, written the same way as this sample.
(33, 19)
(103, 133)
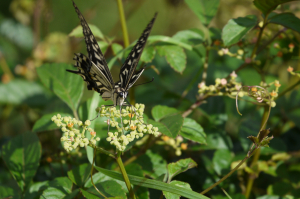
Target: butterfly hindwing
(128, 76)
(94, 52)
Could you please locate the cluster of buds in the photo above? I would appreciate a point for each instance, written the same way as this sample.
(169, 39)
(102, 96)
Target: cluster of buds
(133, 126)
(283, 50)
(240, 54)
(72, 136)
(230, 87)
(176, 144)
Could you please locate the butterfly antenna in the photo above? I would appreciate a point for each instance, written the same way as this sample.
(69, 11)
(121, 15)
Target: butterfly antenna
(144, 83)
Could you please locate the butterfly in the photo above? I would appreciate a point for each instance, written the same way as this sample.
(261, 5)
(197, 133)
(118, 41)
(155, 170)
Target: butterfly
(94, 70)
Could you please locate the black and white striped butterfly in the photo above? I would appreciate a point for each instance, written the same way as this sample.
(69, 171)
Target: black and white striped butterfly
(94, 70)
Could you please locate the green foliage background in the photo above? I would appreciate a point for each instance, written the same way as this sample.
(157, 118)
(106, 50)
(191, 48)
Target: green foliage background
(37, 42)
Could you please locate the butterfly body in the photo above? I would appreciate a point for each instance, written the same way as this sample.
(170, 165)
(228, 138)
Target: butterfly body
(94, 70)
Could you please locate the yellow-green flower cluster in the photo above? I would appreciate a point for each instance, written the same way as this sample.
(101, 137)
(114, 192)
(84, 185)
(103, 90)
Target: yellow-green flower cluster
(176, 144)
(72, 136)
(133, 125)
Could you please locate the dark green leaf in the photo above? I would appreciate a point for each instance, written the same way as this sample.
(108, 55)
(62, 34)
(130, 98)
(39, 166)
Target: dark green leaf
(58, 188)
(68, 87)
(8, 192)
(236, 29)
(35, 190)
(73, 194)
(89, 195)
(180, 167)
(193, 131)
(205, 10)
(22, 156)
(161, 128)
(152, 164)
(20, 91)
(184, 185)
(192, 36)
(287, 20)
(159, 112)
(77, 32)
(174, 55)
(173, 123)
(154, 184)
(109, 188)
(46, 124)
(148, 54)
(267, 6)
(80, 174)
(222, 160)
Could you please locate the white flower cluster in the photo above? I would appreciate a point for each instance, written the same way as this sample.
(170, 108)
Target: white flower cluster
(72, 137)
(133, 124)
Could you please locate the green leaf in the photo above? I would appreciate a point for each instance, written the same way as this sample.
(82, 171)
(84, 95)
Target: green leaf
(173, 123)
(58, 188)
(89, 195)
(45, 123)
(20, 91)
(68, 87)
(148, 54)
(159, 112)
(154, 184)
(180, 167)
(88, 111)
(168, 40)
(237, 28)
(205, 10)
(193, 131)
(287, 20)
(116, 48)
(152, 164)
(97, 178)
(35, 189)
(109, 188)
(174, 55)
(267, 6)
(77, 32)
(193, 36)
(73, 194)
(184, 185)
(80, 174)
(8, 192)
(103, 45)
(222, 160)
(22, 157)
(161, 128)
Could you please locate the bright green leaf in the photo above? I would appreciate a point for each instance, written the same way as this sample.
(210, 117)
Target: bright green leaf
(46, 124)
(267, 6)
(116, 48)
(103, 45)
(222, 160)
(154, 184)
(58, 188)
(80, 174)
(180, 167)
(193, 131)
(35, 189)
(68, 87)
(89, 195)
(22, 157)
(205, 10)
(159, 112)
(287, 20)
(192, 36)
(174, 55)
(184, 185)
(20, 91)
(237, 28)
(168, 40)
(173, 123)
(148, 54)
(77, 32)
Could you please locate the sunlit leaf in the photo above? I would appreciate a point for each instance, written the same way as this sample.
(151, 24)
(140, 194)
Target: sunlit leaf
(180, 166)
(193, 131)
(77, 32)
(169, 195)
(174, 55)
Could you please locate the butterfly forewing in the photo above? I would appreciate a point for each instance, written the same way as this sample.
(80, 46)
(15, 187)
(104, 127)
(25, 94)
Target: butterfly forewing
(128, 76)
(95, 54)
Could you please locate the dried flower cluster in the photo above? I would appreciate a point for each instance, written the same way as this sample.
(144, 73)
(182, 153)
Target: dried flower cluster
(72, 136)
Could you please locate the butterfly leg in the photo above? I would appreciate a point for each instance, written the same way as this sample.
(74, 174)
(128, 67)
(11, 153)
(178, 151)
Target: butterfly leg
(133, 110)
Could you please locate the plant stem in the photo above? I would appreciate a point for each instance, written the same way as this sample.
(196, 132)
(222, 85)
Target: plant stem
(256, 156)
(195, 105)
(125, 176)
(102, 150)
(259, 37)
(226, 176)
(123, 23)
